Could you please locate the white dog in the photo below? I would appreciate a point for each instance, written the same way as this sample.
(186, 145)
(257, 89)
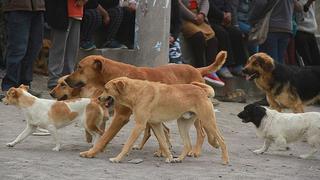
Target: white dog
(283, 128)
(52, 114)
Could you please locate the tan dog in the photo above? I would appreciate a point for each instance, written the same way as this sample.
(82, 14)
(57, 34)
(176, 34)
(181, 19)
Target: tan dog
(285, 86)
(63, 92)
(40, 65)
(99, 70)
(155, 103)
(52, 114)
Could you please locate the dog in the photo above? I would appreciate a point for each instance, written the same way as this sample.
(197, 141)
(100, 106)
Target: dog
(53, 115)
(155, 103)
(63, 92)
(285, 86)
(99, 70)
(283, 128)
(40, 65)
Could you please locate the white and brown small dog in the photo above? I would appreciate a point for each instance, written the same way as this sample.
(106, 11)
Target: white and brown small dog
(52, 114)
(283, 128)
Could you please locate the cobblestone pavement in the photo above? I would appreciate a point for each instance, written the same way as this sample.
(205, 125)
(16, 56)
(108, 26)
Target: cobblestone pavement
(33, 158)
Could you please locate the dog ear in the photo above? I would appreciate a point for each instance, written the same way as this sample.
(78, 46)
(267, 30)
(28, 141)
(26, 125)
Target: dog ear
(266, 65)
(119, 85)
(97, 64)
(22, 86)
(12, 92)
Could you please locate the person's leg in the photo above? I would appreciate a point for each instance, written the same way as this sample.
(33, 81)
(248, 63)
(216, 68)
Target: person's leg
(314, 49)
(270, 46)
(283, 41)
(127, 28)
(34, 46)
(245, 28)
(198, 46)
(239, 49)
(211, 50)
(18, 26)
(71, 50)
(116, 17)
(90, 22)
(57, 55)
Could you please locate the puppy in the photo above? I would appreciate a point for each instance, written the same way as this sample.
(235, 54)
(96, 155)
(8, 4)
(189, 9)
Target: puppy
(283, 128)
(285, 86)
(155, 103)
(40, 65)
(52, 115)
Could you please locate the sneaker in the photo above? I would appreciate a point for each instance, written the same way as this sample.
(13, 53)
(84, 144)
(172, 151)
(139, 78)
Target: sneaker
(114, 44)
(214, 79)
(262, 102)
(34, 93)
(87, 46)
(237, 71)
(224, 72)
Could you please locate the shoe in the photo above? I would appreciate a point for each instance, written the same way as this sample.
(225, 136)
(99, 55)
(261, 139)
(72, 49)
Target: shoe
(114, 44)
(237, 95)
(34, 93)
(237, 71)
(87, 46)
(262, 102)
(214, 79)
(224, 72)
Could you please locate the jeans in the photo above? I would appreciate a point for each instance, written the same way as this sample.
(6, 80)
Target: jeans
(276, 45)
(25, 34)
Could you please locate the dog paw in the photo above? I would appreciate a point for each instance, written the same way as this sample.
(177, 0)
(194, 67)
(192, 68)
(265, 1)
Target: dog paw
(11, 144)
(136, 147)
(57, 148)
(173, 160)
(258, 151)
(304, 156)
(86, 154)
(114, 160)
(158, 153)
(194, 153)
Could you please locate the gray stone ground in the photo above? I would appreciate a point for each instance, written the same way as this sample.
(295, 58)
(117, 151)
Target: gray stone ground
(33, 158)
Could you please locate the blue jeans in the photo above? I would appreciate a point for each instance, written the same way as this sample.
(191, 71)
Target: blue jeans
(276, 45)
(24, 33)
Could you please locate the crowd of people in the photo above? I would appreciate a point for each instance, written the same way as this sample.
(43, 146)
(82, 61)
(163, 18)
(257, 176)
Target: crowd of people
(208, 26)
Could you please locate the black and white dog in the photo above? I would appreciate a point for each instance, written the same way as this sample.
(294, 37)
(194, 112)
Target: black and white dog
(283, 128)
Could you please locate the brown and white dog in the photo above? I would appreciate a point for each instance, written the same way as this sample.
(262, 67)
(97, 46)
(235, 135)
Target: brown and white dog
(98, 70)
(285, 86)
(155, 103)
(52, 114)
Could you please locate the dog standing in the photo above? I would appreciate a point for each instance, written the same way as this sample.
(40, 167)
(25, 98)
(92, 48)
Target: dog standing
(285, 86)
(155, 103)
(53, 115)
(98, 70)
(283, 128)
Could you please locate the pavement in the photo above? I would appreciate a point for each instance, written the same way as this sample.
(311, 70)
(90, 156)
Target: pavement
(34, 159)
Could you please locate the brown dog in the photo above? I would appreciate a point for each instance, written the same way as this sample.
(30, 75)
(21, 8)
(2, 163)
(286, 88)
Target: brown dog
(40, 65)
(285, 86)
(99, 70)
(155, 103)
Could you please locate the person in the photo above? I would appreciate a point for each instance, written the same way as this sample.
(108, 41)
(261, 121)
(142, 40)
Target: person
(280, 25)
(241, 10)
(64, 18)
(175, 55)
(200, 35)
(280, 28)
(94, 14)
(306, 43)
(24, 29)
(220, 19)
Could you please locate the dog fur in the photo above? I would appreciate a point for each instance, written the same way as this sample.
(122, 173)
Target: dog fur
(40, 65)
(155, 103)
(285, 86)
(98, 70)
(52, 114)
(283, 128)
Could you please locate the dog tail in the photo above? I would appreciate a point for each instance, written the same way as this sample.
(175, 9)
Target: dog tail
(208, 89)
(216, 65)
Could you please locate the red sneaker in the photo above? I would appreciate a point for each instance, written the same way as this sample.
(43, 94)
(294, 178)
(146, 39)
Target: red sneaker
(214, 80)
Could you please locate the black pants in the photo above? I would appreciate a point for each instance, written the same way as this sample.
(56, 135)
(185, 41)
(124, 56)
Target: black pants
(204, 51)
(89, 24)
(231, 40)
(307, 47)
